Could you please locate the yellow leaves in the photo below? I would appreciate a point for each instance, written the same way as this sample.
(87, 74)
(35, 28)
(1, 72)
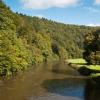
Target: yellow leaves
(13, 53)
(63, 53)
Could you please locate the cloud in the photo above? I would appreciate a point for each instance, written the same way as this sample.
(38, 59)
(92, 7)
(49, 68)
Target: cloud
(93, 24)
(91, 9)
(97, 2)
(44, 4)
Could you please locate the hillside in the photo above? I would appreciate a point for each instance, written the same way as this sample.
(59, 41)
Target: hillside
(68, 37)
(26, 40)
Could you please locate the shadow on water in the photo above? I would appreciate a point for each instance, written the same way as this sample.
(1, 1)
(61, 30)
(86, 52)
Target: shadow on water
(92, 91)
(65, 87)
(79, 88)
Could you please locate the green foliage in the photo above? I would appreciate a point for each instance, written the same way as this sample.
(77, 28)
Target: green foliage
(26, 40)
(92, 47)
(70, 37)
(63, 53)
(43, 43)
(13, 53)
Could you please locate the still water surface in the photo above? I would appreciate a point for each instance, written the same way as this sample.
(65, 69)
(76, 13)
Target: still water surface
(49, 81)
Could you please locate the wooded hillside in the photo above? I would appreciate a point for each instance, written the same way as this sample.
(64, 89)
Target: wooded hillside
(26, 40)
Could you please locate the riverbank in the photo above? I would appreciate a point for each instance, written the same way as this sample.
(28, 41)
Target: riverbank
(81, 65)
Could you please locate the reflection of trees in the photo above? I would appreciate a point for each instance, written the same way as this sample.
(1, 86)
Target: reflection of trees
(59, 67)
(92, 91)
(62, 68)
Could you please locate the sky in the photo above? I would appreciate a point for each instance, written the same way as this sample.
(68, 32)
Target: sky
(80, 12)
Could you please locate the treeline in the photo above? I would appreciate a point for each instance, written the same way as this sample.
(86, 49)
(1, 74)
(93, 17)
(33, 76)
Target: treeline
(26, 40)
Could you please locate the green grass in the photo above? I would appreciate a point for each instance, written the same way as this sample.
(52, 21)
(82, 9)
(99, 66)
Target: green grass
(94, 67)
(95, 75)
(77, 61)
(82, 62)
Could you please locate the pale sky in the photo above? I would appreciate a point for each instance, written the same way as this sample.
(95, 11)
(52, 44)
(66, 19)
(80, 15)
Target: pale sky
(82, 12)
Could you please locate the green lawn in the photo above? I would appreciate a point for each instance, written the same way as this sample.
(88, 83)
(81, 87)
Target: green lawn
(95, 75)
(82, 62)
(94, 67)
(77, 61)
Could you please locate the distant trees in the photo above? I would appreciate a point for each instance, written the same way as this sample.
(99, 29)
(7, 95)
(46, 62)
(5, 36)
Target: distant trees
(92, 47)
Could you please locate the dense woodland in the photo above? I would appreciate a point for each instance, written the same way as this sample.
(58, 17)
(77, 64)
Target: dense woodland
(26, 40)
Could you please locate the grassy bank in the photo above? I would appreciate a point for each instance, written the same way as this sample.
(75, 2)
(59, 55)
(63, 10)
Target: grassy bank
(77, 61)
(81, 62)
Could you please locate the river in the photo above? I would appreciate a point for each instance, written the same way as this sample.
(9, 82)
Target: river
(49, 81)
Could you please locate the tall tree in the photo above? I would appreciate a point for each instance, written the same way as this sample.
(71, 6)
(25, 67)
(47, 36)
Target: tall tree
(92, 47)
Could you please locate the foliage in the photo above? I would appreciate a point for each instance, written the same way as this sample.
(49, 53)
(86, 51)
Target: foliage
(13, 53)
(26, 40)
(92, 47)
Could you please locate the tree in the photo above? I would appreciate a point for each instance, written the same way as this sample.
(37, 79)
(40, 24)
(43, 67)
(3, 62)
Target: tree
(92, 47)
(14, 55)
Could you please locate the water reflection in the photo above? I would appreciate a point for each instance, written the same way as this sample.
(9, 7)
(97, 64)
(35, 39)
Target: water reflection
(62, 68)
(49, 81)
(65, 87)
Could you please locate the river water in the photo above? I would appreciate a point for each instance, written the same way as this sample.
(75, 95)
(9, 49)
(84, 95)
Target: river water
(49, 81)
